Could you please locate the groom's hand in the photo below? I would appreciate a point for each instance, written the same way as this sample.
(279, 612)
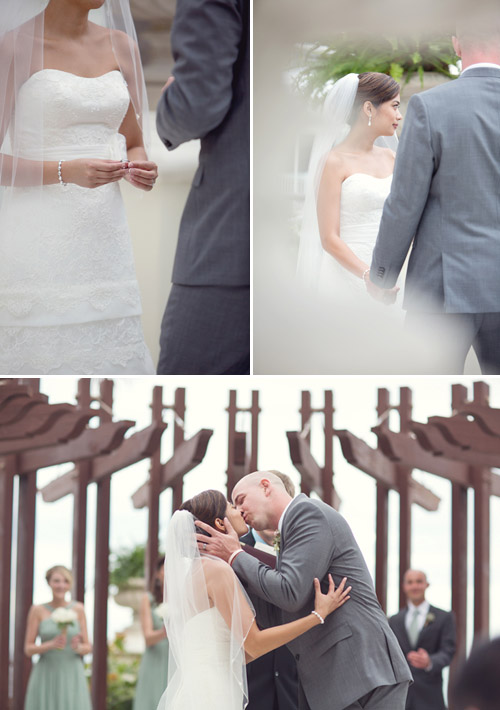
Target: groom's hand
(218, 544)
(419, 659)
(385, 295)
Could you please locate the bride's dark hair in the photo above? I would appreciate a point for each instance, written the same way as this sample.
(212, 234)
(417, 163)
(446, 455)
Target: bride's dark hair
(375, 87)
(206, 506)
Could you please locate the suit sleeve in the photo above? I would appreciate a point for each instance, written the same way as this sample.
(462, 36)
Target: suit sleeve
(413, 171)
(448, 645)
(206, 35)
(306, 554)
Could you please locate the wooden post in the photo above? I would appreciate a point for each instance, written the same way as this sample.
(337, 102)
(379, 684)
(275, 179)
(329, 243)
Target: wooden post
(382, 524)
(7, 471)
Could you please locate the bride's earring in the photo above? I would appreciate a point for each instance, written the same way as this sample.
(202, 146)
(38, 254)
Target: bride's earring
(369, 119)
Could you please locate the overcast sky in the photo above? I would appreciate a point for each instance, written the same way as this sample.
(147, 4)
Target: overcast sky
(207, 398)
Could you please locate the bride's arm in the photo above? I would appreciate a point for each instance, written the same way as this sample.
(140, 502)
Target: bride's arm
(257, 642)
(328, 211)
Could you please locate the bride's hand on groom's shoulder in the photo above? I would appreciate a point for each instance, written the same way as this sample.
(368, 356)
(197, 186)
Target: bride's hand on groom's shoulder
(142, 174)
(324, 604)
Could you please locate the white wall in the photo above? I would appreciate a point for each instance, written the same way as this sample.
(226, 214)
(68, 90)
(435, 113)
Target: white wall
(154, 219)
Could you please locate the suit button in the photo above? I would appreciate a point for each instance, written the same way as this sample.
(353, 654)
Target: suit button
(380, 271)
(297, 656)
(276, 674)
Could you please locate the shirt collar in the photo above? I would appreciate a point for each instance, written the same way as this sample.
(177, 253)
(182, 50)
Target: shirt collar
(280, 523)
(422, 608)
(481, 65)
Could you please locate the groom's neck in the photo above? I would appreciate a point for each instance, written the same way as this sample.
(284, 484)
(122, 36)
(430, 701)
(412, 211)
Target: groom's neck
(480, 57)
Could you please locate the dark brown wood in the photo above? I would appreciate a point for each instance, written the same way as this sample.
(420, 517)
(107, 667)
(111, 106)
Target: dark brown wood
(180, 416)
(64, 429)
(254, 446)
(459, 553)
(306, 482)
(7, 471)
(382, 510)
(140, 445)
(481, 478)
(100, 654)
(187, 456)
(92, 442)
(80, 485)
(24, 582)
(154, 489)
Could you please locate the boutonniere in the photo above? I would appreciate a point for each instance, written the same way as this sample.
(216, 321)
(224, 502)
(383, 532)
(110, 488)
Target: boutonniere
(277, 541)
(429, 619)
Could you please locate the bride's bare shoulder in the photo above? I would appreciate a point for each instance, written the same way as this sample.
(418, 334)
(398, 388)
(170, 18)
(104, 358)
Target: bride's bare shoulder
(213, 566)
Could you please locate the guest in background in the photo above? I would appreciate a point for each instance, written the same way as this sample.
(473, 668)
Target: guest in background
(272, 678)
(427, 636)
(477, 685)
(57, 681)
(153, 671)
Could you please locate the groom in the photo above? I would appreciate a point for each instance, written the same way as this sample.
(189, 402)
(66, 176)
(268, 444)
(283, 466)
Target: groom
(206, 326)
(445, 197)
(353, 660)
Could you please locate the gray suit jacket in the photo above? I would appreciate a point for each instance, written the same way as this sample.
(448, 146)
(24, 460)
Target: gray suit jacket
(438, 638)
(446, 195)
(355, 651)
(210, 100)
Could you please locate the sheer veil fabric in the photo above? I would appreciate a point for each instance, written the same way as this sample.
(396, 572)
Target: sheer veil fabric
(332, 129)
(208, 619)
(69, 299)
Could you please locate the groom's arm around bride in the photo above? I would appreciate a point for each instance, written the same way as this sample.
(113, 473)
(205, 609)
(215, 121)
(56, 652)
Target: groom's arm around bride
(206, 326)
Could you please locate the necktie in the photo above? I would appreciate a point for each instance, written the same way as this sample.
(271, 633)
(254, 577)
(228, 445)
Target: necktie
(413, 629)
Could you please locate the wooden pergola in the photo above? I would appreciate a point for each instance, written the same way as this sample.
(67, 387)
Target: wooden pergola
(35, 435)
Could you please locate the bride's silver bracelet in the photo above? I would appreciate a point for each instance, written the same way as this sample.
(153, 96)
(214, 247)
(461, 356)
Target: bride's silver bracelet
(366, 271)
(59, 174)
(322, 621)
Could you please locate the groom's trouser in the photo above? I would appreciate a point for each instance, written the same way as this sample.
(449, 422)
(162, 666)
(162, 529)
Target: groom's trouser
(206, 331)
(478, 330)
(386, 697)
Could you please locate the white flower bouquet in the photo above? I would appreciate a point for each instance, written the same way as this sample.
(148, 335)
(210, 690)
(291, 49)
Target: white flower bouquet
(63, 617)
(162, 610)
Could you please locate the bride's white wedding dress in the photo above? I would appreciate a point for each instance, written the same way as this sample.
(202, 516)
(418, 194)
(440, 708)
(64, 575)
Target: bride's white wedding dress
(69, 299)
(204, 681)
(361, 205)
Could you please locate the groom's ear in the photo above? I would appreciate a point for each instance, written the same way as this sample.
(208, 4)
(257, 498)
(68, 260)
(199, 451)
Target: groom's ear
(456, 46)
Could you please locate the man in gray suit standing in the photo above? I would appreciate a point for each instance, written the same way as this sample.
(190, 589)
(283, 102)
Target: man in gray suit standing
(427, 636)
(352, 660)
(206, 325)
(445, 197)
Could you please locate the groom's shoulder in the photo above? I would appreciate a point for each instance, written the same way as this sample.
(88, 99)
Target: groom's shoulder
(312, 506)
(438, 94)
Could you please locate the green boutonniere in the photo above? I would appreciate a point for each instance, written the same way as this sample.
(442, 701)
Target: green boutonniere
(277, 541)
(429, 619)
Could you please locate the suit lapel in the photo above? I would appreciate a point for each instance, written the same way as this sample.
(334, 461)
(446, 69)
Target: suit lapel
(294, 502)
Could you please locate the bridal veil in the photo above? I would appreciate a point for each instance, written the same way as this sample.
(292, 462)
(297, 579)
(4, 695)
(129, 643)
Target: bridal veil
(208, 619)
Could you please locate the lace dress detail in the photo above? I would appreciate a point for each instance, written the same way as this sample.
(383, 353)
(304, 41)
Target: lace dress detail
(69, 299)
(361, 205)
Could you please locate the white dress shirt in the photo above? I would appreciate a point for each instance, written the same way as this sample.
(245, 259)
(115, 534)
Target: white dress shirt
(481, 64)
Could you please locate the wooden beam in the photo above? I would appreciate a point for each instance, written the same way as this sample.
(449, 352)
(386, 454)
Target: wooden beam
(186, 457)
(66, 428)
(408, 451)
(461, 432)
(91, 443)
(139, 446)
(39, 419)
(431, 439)
(7, 471)
(14, 408)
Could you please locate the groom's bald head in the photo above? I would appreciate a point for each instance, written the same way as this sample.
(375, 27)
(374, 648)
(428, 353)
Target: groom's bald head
(261, 497)
(479, 30)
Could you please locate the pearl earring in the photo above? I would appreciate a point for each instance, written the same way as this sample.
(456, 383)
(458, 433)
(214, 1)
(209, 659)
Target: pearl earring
(369, 119)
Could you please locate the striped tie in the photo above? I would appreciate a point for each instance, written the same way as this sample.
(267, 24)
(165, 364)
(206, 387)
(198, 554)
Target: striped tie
(413, 629)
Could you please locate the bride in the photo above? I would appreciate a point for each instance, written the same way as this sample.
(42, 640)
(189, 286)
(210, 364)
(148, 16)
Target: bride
(349, 178)
(210, 622)
(73, 116)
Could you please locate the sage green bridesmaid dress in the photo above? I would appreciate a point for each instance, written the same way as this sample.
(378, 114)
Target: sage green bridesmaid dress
(153, 671)
(57, 681)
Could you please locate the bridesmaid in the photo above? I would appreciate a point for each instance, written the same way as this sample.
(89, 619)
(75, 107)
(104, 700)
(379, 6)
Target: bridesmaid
(153, 672)
(57, 681)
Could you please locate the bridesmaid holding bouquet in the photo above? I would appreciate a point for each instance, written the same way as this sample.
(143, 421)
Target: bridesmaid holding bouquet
(57, 681)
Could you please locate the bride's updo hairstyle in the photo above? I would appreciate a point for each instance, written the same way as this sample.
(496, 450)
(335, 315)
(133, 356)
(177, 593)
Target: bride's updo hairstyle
(375, 87)
(206, 506)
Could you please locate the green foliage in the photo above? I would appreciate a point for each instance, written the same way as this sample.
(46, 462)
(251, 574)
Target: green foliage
(122, 676)
(127, 564)
(400, 58)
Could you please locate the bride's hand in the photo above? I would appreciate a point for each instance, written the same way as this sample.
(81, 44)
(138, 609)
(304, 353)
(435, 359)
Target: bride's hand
(93, 172)
(324, 604)
(390, 295)
(142, 174)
